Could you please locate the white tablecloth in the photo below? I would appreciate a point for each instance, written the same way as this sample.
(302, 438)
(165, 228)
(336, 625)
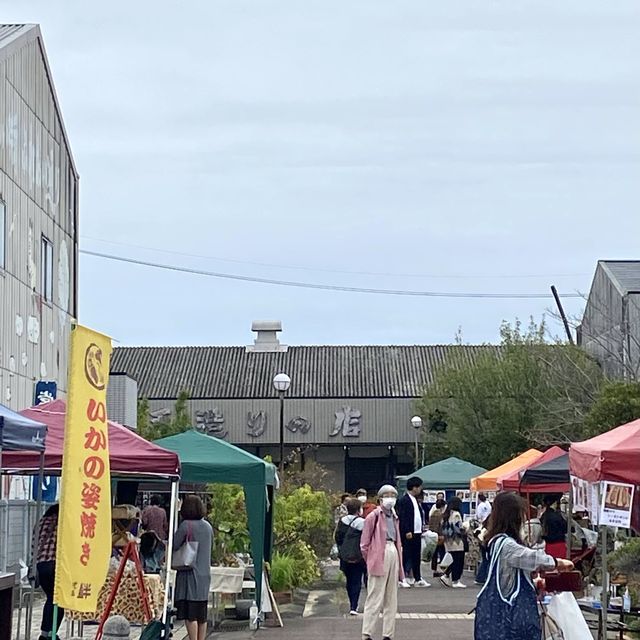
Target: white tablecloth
(226, 579)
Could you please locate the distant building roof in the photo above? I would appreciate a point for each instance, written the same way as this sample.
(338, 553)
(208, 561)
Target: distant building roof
(315, 371)
(624, 273)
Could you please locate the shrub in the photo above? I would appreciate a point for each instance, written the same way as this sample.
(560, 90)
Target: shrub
(228, 517)
(283, 571)
(304, 515)
(626, 560)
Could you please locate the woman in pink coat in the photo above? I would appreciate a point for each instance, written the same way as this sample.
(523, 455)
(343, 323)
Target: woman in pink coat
(381, 549)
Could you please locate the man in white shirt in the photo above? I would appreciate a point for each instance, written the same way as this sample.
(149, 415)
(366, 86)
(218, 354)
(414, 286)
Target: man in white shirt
(483, 510)
(412, 526)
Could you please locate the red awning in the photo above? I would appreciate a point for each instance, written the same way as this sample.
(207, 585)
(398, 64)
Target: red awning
(129, 454)
(512, 481)
(614, 456)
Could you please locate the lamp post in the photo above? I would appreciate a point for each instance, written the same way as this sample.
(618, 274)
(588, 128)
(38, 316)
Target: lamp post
(416, 423)
(281, 383)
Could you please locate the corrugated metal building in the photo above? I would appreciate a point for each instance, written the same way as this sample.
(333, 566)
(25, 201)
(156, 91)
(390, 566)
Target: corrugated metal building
(610, 329)
(38, 221)
(352, 404)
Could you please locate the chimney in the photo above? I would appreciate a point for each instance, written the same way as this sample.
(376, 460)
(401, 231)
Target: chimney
(266, 337)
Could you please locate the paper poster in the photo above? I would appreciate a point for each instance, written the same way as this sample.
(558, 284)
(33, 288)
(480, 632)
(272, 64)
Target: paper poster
(586, 497)
(465, 496)
(617, 499)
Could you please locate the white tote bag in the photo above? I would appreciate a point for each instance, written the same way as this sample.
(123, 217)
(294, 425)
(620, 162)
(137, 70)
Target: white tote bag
(565, 612)
(185, 557)
(447, 561)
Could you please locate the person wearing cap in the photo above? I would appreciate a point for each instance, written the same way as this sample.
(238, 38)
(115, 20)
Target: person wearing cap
(381, 548)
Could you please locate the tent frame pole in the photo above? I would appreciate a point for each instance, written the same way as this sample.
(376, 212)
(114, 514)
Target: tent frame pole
(34, 545)
(602, 633)
(172, 527)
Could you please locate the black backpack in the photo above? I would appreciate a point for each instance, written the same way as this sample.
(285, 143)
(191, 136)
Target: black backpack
(350, 548)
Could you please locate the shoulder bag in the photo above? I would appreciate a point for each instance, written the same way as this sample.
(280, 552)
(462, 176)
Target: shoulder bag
(185, 557)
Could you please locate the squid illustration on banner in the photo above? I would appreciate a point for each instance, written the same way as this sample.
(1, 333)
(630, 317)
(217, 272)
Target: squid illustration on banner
(84, 525)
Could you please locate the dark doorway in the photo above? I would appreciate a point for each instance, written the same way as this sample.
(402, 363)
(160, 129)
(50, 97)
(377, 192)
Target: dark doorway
(368, 473)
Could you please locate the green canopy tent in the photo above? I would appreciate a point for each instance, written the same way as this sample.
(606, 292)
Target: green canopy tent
(205, 459)
(451, 473)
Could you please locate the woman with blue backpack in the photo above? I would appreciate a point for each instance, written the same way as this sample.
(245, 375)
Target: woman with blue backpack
(507, 607)
(347, 536)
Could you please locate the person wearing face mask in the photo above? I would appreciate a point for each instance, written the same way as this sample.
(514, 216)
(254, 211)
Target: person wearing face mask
(381, 549)
(347, 536)
(367, 507)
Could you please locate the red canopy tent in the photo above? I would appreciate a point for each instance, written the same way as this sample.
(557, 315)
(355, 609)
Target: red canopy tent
(512, 482)
(129, 454)
(614, 456)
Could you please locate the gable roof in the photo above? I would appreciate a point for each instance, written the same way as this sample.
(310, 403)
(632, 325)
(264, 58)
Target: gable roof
(16, 36)
(625, 274)
(316, 371)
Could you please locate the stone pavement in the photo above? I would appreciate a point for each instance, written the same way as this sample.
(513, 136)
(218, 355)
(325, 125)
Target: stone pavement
(434, 613)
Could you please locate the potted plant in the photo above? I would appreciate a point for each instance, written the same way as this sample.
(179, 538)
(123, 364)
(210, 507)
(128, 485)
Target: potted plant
(282, 577)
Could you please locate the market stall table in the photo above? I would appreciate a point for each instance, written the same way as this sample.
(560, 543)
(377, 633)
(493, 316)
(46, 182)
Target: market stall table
(127, 602)
(594, 607)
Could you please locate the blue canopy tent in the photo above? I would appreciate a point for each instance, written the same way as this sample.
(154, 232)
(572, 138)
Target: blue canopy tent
(18, 433)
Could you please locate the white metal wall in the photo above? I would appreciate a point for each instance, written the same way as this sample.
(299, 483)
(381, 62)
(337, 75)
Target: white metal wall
(39, 188)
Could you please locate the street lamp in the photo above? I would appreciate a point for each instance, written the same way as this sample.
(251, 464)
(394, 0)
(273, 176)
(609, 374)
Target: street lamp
(416, 423)
(281, 383)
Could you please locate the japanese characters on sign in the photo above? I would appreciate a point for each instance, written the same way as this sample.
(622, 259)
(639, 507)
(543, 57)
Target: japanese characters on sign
(211, 422)
(256, 423)
(299, 423)
(617, 500)
(347, 422)
(84, 527)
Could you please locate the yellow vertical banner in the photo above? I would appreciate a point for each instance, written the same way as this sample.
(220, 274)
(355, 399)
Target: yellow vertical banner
(84, 523)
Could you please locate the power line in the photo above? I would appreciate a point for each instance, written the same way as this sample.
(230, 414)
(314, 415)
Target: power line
(324, 287)
(343, 271)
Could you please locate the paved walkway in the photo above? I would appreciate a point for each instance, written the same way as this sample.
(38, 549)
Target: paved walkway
(436, 613)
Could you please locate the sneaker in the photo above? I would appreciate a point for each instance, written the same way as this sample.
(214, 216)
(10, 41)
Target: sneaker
(410, 581)
(422, 583)
(403, 584)
(459, 585)
(353, 613)
(446, 581)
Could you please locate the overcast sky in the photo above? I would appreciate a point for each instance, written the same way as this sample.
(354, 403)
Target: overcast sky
(470, 144)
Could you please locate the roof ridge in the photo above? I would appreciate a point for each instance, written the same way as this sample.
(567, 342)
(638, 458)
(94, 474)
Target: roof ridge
(439, 345)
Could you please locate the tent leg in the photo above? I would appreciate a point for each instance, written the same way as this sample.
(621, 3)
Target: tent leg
(172, 528)
(605, 586)
(569, 524)
(29, 617)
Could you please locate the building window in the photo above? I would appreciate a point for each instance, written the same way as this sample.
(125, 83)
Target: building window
(3, 231)
(46, 271)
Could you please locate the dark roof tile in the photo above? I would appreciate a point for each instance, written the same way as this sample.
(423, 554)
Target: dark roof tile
(316, 372)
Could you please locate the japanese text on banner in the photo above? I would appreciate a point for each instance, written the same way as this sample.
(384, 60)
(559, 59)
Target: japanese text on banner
(84, 527)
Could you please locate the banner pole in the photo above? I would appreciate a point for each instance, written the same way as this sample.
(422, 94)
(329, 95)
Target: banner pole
(54, 628)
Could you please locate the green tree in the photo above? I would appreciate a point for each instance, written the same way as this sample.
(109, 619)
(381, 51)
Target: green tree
(617, 403)
(529, 392)
(177, 422)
